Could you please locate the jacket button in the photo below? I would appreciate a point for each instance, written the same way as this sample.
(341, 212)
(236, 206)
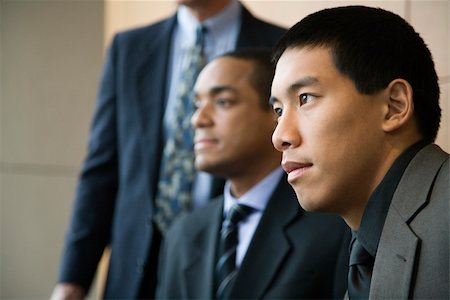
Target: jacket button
(140, 265)
(149, 222)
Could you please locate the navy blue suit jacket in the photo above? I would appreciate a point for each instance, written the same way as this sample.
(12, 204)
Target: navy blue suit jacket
(114, 198)
(293, 254)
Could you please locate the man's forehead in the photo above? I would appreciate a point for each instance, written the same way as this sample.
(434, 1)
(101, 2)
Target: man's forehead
(304, 53)
(303, 64)
(225, 67)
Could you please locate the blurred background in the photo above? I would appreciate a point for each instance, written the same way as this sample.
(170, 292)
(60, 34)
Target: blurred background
(51, 54)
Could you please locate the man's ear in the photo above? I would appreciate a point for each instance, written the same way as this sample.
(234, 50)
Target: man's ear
(400, 106)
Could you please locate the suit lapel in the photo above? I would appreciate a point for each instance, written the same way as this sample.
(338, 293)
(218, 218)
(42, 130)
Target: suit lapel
(257, 272)
(199, 269)
(398, 247)
(393, 272)
(150, 80)
(148, 96)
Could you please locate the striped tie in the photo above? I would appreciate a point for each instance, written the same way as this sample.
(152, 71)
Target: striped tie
(226, 266)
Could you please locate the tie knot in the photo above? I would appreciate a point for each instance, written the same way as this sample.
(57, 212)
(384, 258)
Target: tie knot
(200, 36)
(359, 255)
(238, 213)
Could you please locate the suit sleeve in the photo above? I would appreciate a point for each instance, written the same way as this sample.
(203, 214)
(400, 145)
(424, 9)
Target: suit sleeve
(90, 226)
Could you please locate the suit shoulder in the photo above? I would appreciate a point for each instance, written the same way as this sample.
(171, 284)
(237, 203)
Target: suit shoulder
(444, 171)
(271, 28)
(144, 33)
(252, 26)
(194, 220)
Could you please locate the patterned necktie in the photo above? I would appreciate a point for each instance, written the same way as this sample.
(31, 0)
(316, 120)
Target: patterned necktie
(226, 270)
(360, 271)
(177, 170)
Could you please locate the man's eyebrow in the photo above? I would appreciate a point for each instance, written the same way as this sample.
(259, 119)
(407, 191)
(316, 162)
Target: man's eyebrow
(216, 90)
(221, 88)
(306, 81)
(272, 100)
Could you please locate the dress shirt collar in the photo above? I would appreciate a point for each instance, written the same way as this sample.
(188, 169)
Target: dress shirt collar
(217, 26)
(258, 196)
(374, 216)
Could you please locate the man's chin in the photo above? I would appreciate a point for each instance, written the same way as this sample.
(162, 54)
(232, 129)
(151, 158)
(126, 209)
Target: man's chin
(211, 168)
(205, 166)
(306, 203)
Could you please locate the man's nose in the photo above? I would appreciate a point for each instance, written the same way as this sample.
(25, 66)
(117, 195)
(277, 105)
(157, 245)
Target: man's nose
(201, 117)
(287, 133)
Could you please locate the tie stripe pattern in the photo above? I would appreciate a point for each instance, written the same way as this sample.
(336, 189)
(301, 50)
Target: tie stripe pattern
(177, 169)
(360, 271)
(226, 270)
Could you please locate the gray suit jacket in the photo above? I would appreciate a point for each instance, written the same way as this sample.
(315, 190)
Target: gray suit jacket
(293, 254)
(412, 259)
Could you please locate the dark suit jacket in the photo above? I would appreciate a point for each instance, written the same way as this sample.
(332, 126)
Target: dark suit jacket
(412, 259)
(293, 254)
(114, 199)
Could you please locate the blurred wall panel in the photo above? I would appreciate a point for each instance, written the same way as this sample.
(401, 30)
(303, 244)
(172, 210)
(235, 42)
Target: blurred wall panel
(51, 54)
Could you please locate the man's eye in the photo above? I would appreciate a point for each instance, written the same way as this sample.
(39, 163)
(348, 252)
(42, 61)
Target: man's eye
(305, 98)
(222, 102)
(278, 111)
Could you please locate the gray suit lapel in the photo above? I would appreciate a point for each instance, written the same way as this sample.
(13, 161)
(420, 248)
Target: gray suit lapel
(397, 250)
(393, 273)
(269, 241)
(199, 269)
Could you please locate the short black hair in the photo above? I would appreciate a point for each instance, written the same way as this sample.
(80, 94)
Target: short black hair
(263, 70)
(372, 47)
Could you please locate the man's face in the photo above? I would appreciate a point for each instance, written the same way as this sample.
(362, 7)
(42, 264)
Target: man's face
(191, 2)
(200, 3)
(330, 134)
(232, 130)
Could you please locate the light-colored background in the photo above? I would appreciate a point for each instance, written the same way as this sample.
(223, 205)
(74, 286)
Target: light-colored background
(50, 60)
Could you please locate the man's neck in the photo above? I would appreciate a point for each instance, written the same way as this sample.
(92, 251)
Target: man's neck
(206, 10)
(241, 183)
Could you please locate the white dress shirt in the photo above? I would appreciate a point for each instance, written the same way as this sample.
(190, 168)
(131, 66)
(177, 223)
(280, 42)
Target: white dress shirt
(257, 198)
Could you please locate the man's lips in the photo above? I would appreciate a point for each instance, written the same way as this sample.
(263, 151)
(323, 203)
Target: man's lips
(295, 169)
(202, 143)
(290, 166)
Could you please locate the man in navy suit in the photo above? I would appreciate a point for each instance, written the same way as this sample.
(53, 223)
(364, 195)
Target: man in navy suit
(114, 203)
(282, 252)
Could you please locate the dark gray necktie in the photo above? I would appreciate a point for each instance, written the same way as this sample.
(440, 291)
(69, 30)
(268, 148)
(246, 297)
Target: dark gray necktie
(177, 170)
(226, 270)
(360, 271)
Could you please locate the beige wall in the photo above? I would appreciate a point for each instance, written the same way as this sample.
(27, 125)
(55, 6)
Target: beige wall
(51, 53)
(50, 60)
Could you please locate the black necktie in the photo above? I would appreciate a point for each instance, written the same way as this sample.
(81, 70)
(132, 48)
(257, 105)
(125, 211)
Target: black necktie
(226, 265)
(177, 170)
(360, 271)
